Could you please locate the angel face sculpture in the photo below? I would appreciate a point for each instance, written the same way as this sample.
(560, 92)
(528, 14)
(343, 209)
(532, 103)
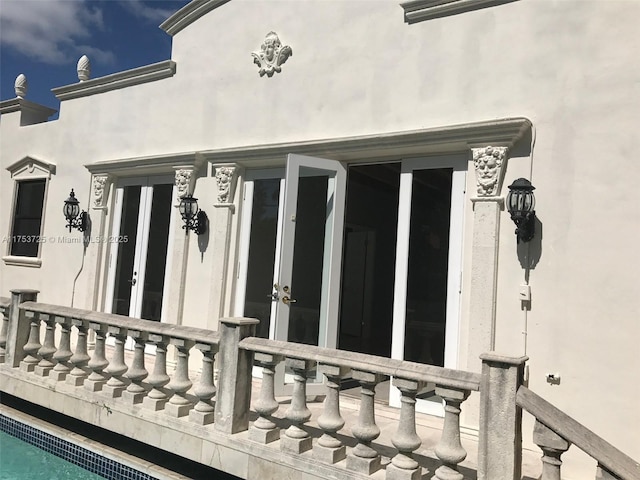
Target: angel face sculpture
(271, 56)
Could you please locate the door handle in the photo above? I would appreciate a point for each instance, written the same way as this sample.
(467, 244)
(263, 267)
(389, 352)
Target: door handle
(273, 296)
(286, 300)
(132, 281)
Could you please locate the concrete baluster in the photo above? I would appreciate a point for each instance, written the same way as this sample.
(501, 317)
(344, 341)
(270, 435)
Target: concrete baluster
(48, 346)
(117, 368)
(64, 353)
(296, 439)
(205, 390)
(157, 397)
(264, 430)
(552, 446)
(363, 458)
(329, 448)
(450, 450)
(135, 392)
(4, 316)
(179, 405)
(19, 327)
(80, 357)
(97, 378)
(28, 364)
(406, 440)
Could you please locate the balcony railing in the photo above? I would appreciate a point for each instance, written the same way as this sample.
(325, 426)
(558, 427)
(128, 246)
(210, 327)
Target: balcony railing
(222, 412)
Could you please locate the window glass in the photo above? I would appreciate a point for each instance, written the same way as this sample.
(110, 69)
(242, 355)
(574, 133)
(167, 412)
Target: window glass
(27, 218)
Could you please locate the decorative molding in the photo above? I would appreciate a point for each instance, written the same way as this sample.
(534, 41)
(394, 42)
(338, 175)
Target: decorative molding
(37, 113)
(421, 10)
(189, 14)
(183, 182)
(128, 78)
(100, 190)
(84, 68)
(226, 177)
(30, 167)
(151, 165)
(385, 146)
(22, 261)
(272, 55)
(489, 162)
(21, 86)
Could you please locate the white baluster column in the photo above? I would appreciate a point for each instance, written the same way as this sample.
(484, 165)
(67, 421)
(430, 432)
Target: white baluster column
(157, 397)
(64, 353)
(28, 364)
(297, 439)
(450, 450)
(117, 368)
(179, 405)
(264, 430)
(552, 446)
(135, 392)
(48, 346)
(205, 390)
(80, 358)
(97, 378)
(329, 448)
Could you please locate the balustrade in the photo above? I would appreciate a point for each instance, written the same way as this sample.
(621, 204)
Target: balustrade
(64, 353)
(80, 357)
(329, 448)
(264, 429)
(364, 458)
(4, 326)
(157, 397)
(28, 364)
(135, 392)
(97, 378)
(552, 446)
(179, 404)
(48, 347)
(296, 438)
(205, 390)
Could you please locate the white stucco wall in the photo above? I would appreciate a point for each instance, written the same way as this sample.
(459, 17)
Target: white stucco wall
(569, 66)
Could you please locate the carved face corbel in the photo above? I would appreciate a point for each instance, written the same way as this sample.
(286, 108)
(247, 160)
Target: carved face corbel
(488, 163)
(226, 179)
(183, 183)
(100, 190)
(272, 55)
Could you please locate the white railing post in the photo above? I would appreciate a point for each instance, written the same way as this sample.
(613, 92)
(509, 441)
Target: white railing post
(552, 446)
(264, 430)
(363, 458)
(80, 358)
(449, 450)
(205, 390)
(135, 392)
(179, 405)
(117, 368)
(500, 435)
(406, 440)
(19, 326)
(97, 378)
(48, 346)
(64, 353)
(297, 439)
(329, 448)
(157, 398)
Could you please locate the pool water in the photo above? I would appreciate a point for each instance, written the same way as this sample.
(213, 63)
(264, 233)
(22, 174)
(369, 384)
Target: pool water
(22, 461)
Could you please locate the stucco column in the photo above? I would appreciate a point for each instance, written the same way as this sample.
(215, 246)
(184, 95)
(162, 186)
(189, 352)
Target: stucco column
(220, 228)
(19, 326)
(489, 165)
(100, 185)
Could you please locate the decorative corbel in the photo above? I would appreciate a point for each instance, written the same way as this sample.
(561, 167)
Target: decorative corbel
(489, 164)
(271, 56)
(185, 183)
(226, 177)
(100, 190)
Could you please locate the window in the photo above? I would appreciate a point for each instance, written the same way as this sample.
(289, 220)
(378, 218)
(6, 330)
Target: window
(27, 218)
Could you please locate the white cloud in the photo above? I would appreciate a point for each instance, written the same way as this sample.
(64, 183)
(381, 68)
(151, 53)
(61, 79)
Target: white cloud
(51, 31)
(143, 10)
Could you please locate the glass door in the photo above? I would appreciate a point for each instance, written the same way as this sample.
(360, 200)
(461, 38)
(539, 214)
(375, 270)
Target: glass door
(138, 257)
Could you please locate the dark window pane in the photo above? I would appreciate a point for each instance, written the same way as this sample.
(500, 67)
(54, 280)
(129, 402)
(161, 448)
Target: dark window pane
(126, 250)
(27, 218)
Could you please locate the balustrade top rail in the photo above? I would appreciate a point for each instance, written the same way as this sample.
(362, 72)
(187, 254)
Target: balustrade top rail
(606, 454)
(199, 335)
(370, 363)
(5, 302)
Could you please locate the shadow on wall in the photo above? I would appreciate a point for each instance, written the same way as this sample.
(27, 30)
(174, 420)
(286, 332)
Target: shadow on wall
(203, 239)
(529, 253)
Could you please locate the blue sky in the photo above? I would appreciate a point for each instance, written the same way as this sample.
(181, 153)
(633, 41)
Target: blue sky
(45, 38)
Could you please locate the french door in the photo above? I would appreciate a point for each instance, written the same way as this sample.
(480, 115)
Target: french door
(141, 238)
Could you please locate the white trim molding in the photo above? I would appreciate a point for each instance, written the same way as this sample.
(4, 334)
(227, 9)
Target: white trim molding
(151, 165)
(29, 167)
(189, 14)
(420, 10)
(127, 78)
(35, 262)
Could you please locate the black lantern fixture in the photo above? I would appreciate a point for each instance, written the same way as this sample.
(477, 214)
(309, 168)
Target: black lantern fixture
(75, 218)
(194, 218)
(521, 205)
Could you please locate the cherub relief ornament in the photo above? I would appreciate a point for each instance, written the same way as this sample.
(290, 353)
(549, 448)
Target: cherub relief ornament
(272, 55)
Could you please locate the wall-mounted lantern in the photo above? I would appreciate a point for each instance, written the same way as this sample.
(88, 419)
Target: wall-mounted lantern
(194, 218)
(521, 204)
(75, 218)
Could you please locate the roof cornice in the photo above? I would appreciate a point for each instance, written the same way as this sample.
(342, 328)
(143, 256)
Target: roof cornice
(189, 14)
(127, 78)
(420, 10)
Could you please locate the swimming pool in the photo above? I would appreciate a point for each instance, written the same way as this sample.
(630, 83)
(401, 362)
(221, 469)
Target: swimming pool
(30, 453)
